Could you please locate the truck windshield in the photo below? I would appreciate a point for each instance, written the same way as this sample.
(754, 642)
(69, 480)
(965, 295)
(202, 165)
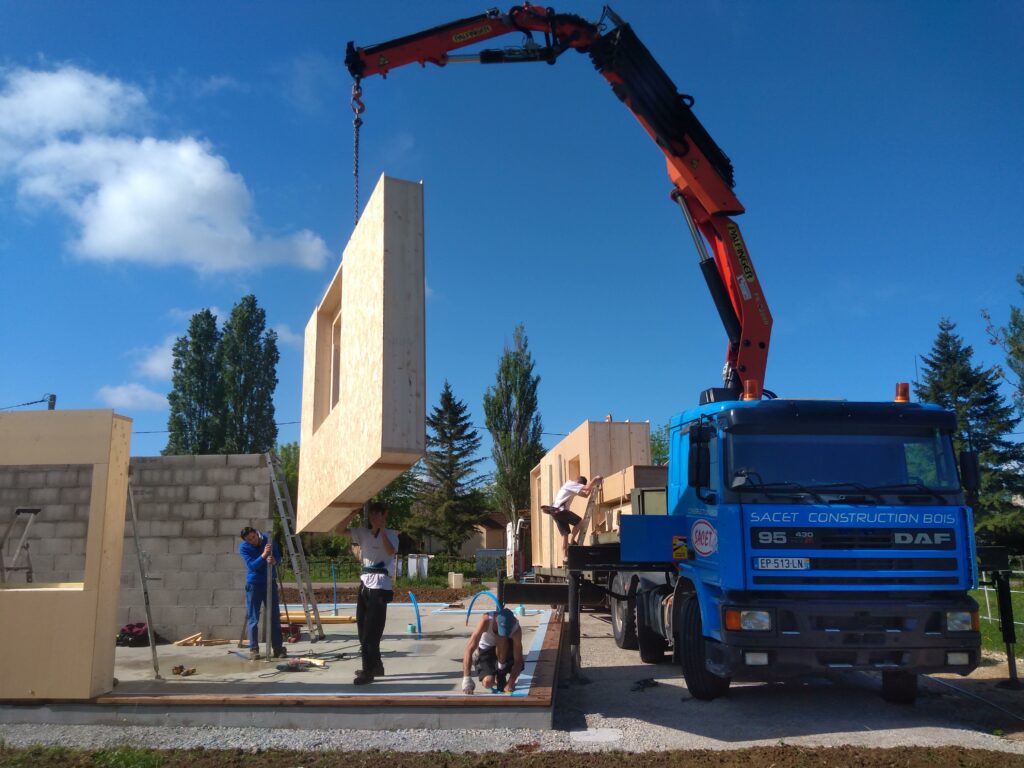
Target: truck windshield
(905, 461)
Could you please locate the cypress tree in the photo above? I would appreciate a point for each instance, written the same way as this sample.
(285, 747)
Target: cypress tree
(512, 418)
(248, 366)
(985, 420)
(195, 424)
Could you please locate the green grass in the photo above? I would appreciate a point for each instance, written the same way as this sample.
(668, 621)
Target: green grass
(991, 636)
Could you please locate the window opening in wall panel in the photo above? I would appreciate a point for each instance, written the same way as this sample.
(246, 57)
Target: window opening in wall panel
(336, 360)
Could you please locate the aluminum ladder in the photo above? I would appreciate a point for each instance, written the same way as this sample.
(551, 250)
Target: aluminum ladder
(293, 545)
(28, 514)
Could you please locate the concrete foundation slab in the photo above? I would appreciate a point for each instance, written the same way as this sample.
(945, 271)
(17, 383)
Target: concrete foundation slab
(421, 688)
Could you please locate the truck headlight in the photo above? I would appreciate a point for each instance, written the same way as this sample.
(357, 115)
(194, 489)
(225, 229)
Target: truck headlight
(961, 621)
(752, 621)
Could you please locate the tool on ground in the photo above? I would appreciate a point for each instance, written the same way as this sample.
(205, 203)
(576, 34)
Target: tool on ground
(144, 578)
(28, 516)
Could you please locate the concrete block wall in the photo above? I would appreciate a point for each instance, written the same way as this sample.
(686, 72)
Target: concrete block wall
(190, 511)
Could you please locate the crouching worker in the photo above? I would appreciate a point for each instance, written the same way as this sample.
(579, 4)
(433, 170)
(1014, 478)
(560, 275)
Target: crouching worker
(260, 555)
(494, 653)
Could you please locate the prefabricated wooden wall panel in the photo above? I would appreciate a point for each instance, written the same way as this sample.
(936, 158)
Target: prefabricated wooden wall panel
(67, 651)
(601, 448)
(375, 431)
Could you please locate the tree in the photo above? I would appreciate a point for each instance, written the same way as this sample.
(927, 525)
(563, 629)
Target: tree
(510, 410)
(248, 366)
(659, 445)
(195, 424)
(451, 501)
(984, 422)
(1010, 338)
(400, 495)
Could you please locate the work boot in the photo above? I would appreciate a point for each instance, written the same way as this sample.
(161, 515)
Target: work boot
(254, 654)
(363, 677)
(280, 653)
(378, 670)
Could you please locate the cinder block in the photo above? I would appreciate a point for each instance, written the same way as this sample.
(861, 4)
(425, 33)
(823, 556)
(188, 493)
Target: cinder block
(188, 476)
(171, 493)
(234, 579)
(247, 460)
(152, 510)
(180, 546)
(41, 563)
(219, 509)
(130, 580)
(144, 462)
(165, 564)
(227, 562)
(27, 479)
(153, 477)
(151, 545)
(14, 497)
(85, 477)
(165, 462)
(219, 545)
(122, 616)
(224, 632)
(43, 496)
(221, 476)
(69, 563)
(71, 529)
(162, 598)
(197, 597)
(40, 530)
(210, 616)
(178, 580)
(77, 546)
(132, 596)
(254, 476)
(57, 513)
(227, 597)
(143, 527)
(53, 546)
(187, 511)
(181, 616)
(6, 479)
(79, 495)
(236, 492)
(262, 492)
(196, 562)
(211, 462)
(199, 528)
(56, 478)
(165, 528)
(228, 527)
(204, 493)
(253, 510)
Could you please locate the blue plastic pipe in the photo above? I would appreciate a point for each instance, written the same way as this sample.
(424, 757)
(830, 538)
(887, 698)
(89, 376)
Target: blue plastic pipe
(416, 606)
(334, 578)
(469, 610)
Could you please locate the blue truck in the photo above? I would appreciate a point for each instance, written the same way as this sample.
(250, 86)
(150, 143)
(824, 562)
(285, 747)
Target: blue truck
(804, 537)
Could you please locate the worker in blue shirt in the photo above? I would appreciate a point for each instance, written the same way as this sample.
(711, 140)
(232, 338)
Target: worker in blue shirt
(260, 555)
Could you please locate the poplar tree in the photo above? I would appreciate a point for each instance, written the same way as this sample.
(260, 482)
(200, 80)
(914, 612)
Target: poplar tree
(1010, 338)
(985, 421)
(512, 418)
(195, 424)
(248, 368)
(449, 496)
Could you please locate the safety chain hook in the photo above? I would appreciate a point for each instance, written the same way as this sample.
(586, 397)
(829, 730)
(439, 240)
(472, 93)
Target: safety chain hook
(357, 122)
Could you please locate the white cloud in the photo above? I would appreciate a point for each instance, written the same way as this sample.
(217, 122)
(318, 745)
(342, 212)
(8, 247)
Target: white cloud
(287, 336)
(135, 199)
(156, 361)
(132, 397)
(185, 315)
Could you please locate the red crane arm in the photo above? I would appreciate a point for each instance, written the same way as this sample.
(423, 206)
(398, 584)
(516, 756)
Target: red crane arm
(701, 173)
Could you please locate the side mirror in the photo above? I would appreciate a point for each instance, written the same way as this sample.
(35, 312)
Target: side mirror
(970, 471)
(699, 468)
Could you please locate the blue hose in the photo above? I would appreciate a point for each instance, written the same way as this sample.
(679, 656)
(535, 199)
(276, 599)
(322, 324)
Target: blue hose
(469, 610)
(416, 606)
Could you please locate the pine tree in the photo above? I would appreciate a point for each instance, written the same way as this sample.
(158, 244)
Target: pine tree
(451, 503)
(659, 446)
(248, 366)
(984, 422)
(510, 410)
(195, 424)
(1010, 338)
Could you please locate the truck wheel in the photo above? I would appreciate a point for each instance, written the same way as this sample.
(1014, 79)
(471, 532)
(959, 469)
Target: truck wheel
(899, 687)
(700, 682)
(652, 645)
(623, 616)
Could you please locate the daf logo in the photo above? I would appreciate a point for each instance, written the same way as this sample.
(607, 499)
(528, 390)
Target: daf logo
(902, 537)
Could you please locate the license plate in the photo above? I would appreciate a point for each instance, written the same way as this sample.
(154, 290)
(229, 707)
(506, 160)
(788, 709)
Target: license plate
(782, 563)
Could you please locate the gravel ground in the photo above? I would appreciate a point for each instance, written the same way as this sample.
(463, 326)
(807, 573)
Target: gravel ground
(625, 705)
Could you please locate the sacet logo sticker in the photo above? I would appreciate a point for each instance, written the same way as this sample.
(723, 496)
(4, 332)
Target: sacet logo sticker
(704, 538)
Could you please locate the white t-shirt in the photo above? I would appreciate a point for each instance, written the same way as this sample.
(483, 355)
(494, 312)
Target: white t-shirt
(565, 494)
(372, 552)
(489, 638)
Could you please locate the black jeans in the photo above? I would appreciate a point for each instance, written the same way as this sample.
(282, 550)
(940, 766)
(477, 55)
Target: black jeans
(371, 613)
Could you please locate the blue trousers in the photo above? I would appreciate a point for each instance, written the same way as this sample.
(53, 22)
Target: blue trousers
(255, 597)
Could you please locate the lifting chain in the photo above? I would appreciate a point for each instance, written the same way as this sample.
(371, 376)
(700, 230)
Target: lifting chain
(357, 122)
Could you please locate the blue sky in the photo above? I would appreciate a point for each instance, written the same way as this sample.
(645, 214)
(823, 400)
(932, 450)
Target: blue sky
(160, 158)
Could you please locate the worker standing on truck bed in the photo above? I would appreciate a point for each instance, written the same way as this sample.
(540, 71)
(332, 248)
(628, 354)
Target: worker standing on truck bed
(494, 652)
(568, 522)
(378, 546)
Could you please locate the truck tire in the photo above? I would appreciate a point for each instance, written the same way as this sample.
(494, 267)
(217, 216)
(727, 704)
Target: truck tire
(899, 687)
(652, 645)
(700, 682)
(623, 616)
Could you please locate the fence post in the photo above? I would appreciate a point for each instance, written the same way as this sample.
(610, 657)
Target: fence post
(334, 580)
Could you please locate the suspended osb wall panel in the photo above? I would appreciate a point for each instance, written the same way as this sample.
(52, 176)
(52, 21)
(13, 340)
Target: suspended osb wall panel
(61, 646)
(593, 448)
(364, 365)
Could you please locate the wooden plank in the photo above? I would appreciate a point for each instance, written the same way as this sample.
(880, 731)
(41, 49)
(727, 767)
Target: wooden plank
(189, 640)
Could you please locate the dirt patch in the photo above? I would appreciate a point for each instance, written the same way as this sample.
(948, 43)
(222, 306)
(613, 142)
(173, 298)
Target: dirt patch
(423, 594)
(989, 682)
(759, 757)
